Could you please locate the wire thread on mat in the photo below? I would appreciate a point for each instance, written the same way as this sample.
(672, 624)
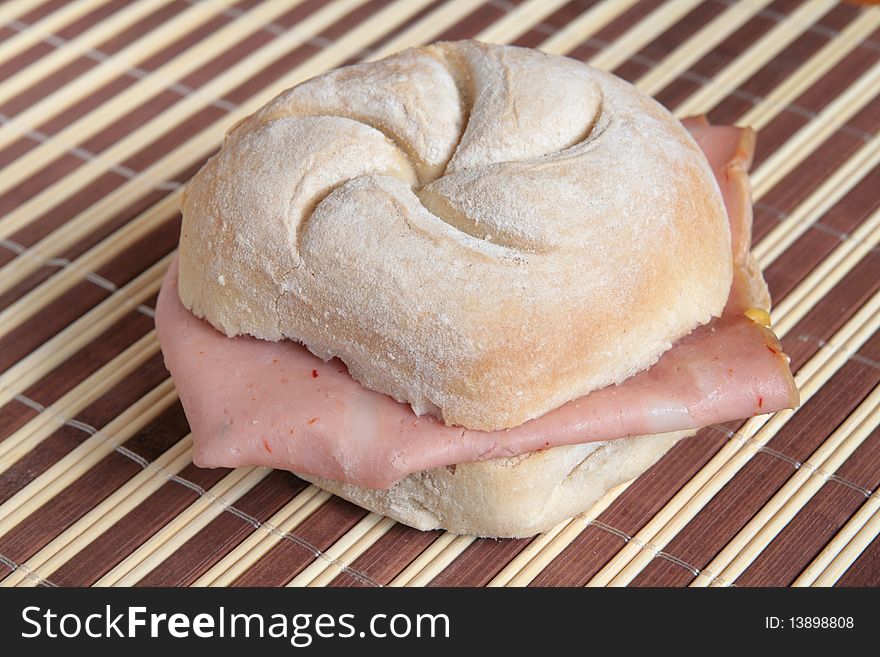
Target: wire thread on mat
(226, 505)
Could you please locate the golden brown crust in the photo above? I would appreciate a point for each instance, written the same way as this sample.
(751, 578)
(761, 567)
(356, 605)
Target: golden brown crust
(465, 236)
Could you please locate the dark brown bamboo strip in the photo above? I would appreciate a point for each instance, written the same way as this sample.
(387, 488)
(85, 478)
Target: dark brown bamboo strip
(594, 546)
(729, 511)
(866, 570)
(287, 559)
(29, 10)
(29, 37)
(114, 470)
(739, 42)
(225, 532)
(634, 68)
(615, 29)
(255, 83)
(803, 538)
(480, 562)
(389, 555)
(112, 546)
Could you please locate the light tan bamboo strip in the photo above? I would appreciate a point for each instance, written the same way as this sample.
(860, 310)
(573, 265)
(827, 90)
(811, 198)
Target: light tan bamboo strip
(825, 362)
(799, 300)
(28, 263)
(347, 558)
(837, 544)
(22, 261)
(146, 133)
(102, 517)
(56, 350)
(759, 53)
(46, 27)
(115, 108)
(12, 9)
(95, 257)
(58, 284)
(85, 455)
(694, 495)
(85, 221)
(571, 535)
(95, 35)
(132, 576)
(847, 556)
(127, 235)
(346, 549)
(772, 518)
(24, 209)
(817, 8)
(83, 85)
(668, 74)
(717, 80)
(543, 549)
(440, 544)
(520, 20)
(263, 539)
(194, 149)
(443, 560)
(648, 533)
(31, 303)
(80, 225)
(843, 344)
(183, 527)
(746, 63)
(584, 26)
(515, 30)
(822, 199)
(649, 28)
(602, 59)
(540, 545)
(506, 32)
(806, 140)
(706, 38)
(822, 61)
(94, 386)
(22, 266)
(843, 178)
(826, 274)
(445, 16)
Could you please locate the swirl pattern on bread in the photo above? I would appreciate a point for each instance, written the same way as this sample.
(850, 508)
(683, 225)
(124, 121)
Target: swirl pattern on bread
(484, 232)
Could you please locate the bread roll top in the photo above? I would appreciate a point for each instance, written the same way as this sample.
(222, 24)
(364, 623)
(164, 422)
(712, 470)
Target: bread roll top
(484, 232)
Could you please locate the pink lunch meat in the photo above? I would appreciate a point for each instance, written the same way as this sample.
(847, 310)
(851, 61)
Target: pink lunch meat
(251, 402)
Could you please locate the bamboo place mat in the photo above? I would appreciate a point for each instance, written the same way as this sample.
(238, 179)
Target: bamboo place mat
(108, 107)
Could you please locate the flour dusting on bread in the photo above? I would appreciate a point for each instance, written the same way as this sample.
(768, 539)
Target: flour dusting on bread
(484, 232)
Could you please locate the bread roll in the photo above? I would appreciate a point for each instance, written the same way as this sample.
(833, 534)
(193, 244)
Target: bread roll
(513, 497)
(484, 232)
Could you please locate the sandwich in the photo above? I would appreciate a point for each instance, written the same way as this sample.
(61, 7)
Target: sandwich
(469, 287)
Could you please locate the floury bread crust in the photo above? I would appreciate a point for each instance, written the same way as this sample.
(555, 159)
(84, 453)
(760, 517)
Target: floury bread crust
(513, 497)
(520, 496)
(484, 232)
